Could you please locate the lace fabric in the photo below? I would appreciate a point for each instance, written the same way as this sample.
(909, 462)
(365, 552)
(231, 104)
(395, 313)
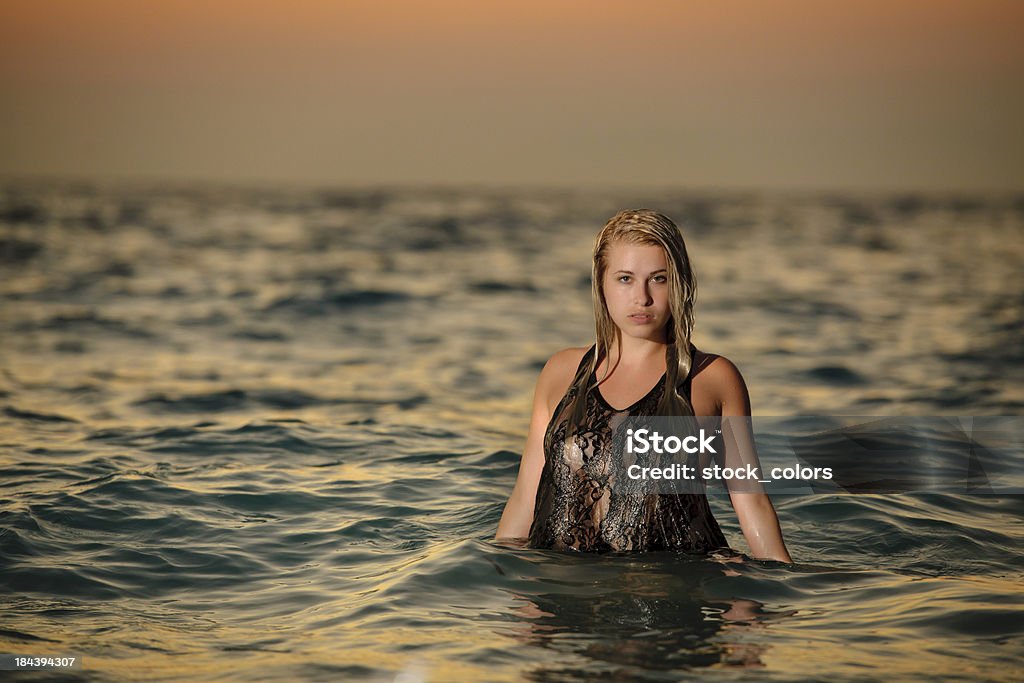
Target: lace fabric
(579, 505)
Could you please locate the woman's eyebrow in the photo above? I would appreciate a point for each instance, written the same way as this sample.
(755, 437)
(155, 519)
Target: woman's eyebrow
(630, 272)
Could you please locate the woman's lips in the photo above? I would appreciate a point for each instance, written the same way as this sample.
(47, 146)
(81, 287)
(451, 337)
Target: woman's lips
(641, 318)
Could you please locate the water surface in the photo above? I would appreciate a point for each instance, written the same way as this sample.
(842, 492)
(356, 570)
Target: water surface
(257, 433)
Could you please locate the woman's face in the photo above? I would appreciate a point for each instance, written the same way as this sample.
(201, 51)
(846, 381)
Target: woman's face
(636, 289)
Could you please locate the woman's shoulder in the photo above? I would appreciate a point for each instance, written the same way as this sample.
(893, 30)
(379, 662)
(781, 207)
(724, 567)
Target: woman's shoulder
(718, 377)
(559, 372)
(569, 358)
(562, 366)
(704, 360)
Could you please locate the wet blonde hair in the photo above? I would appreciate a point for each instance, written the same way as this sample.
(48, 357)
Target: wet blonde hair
(643, 227)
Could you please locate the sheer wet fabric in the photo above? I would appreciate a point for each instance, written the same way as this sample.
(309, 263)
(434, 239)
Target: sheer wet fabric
(580, 508)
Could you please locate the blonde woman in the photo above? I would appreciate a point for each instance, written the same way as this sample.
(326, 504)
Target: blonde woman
(642, 363)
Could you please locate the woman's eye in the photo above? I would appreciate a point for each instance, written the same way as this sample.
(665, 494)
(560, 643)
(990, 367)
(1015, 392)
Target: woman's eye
(623, 278)
(660, 278)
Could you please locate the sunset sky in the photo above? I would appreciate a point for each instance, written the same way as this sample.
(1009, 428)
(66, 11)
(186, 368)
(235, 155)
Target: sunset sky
(774, 94)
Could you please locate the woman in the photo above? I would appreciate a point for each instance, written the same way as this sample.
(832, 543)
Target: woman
(644, 291)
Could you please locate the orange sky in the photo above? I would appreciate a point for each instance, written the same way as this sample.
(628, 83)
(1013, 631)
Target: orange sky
(798, 94)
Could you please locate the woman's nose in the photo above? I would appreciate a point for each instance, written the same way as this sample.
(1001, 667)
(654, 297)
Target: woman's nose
(642, 294)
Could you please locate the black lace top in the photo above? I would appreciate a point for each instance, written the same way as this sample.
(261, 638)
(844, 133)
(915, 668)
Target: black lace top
(577, 508)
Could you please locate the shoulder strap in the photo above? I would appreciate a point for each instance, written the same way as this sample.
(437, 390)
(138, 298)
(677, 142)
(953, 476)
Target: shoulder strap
(585, 359)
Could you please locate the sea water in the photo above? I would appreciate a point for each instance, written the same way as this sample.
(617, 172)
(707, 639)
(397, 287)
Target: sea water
(258, 433)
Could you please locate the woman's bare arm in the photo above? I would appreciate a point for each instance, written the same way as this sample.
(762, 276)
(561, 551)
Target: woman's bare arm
(753, 507)
(518, 514)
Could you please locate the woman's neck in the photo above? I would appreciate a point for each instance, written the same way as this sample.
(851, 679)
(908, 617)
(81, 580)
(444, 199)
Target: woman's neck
(636, 352)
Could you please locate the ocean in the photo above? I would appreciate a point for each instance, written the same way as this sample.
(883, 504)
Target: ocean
(266, 433)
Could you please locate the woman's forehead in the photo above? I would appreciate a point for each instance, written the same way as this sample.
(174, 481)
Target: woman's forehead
(626, 254)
